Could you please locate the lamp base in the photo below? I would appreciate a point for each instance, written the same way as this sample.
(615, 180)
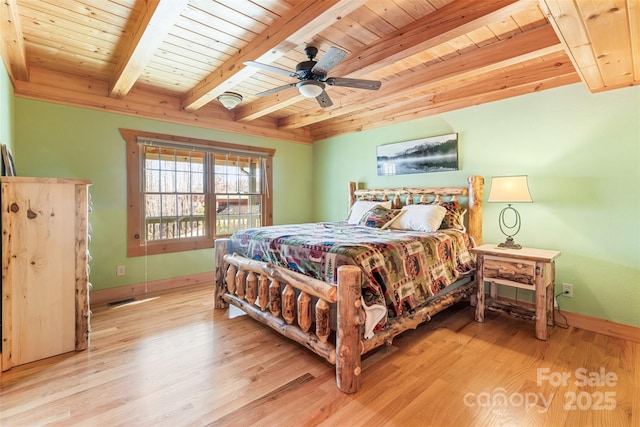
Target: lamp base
(509, 244)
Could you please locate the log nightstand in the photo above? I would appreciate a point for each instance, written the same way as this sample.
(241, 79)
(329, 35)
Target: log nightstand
(526, 268)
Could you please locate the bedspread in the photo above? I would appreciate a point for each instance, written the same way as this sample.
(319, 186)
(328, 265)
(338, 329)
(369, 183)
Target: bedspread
(401, 269)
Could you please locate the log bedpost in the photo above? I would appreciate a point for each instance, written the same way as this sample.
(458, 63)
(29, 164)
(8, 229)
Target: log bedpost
(221, 248)
(397, 203)
(231, 279)
(348, 341)
(241, 279)
(274, 298)
(251, 292)
(352, 196)
(263, 292)
(288, 304)
(476, 188)
(323, 324)
(304, 311)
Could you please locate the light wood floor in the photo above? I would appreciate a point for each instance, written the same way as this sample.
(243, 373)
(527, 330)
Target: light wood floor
(171, 360)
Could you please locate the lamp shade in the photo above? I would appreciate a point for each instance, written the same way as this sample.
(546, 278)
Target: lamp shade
(230, 100)
(510, 189)
(310, 88)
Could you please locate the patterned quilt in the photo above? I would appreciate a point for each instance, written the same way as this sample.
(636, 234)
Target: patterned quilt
(401, 269)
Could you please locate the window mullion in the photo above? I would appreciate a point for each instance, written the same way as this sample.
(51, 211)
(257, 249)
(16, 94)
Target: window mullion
(161, 174)
(210, 194)
(192, 222)
(201, 179)
(176, 204)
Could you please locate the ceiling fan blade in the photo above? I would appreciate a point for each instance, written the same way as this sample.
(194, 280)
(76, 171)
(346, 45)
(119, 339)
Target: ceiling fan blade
(355, 83)
(324, 100)
(268, 67)
(330, 59)
(275, 89)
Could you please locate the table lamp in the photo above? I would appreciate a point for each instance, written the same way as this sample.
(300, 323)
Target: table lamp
(509, 189)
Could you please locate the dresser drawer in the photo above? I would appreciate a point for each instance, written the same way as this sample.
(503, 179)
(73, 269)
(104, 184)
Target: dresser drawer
(514, 270)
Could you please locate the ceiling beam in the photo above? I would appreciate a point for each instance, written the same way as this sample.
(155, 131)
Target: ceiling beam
(564, 17)
(305, 19)
(267, 105)
(605, 59)
(150, 30)
(453, 20)
(518, 48)
(67, 89)
(634, 27)
(13, 49)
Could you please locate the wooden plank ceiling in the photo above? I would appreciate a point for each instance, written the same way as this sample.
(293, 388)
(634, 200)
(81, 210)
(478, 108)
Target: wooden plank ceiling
(170, 59)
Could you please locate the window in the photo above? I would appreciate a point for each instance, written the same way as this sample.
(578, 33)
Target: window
(183, 193)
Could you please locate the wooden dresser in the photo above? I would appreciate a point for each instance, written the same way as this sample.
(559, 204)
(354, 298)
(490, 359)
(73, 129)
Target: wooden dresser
(45, 275)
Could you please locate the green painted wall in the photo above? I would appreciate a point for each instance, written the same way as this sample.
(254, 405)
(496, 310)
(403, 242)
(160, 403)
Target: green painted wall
(6, 109)
(582, 154)
(580, 150)
(67, 142)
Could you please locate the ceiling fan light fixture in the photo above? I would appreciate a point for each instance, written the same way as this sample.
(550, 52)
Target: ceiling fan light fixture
(230, 100)
(310, 88)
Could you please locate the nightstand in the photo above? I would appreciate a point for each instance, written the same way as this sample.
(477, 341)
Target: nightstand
(526, 268)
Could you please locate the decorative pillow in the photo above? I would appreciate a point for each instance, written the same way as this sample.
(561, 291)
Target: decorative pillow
(360, 207)
(379, 217)
(420, 218)
(454, 218)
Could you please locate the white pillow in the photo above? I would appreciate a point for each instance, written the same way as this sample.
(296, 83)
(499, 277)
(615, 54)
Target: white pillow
(420, 218)
(361, 207)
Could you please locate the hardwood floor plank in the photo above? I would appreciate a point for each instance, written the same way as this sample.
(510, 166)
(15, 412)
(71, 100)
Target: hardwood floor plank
(170, 359)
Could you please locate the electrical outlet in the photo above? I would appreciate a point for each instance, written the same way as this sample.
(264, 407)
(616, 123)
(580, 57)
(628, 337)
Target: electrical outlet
(567, 290)
(120, 270)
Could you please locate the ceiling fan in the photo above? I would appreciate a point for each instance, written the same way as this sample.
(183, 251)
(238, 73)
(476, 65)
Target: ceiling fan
(313, 76)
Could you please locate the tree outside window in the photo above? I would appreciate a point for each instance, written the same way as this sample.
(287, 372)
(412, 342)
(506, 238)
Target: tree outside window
(184, 193)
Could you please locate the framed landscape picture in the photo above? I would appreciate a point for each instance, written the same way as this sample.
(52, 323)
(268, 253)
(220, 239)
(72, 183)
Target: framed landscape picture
(432, 154)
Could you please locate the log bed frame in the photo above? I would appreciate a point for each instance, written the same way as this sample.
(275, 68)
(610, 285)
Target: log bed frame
(267, 292)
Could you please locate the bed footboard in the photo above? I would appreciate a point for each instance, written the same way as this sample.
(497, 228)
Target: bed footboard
(267, 293)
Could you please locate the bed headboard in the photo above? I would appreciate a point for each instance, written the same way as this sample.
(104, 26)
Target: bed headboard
(405, 195)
